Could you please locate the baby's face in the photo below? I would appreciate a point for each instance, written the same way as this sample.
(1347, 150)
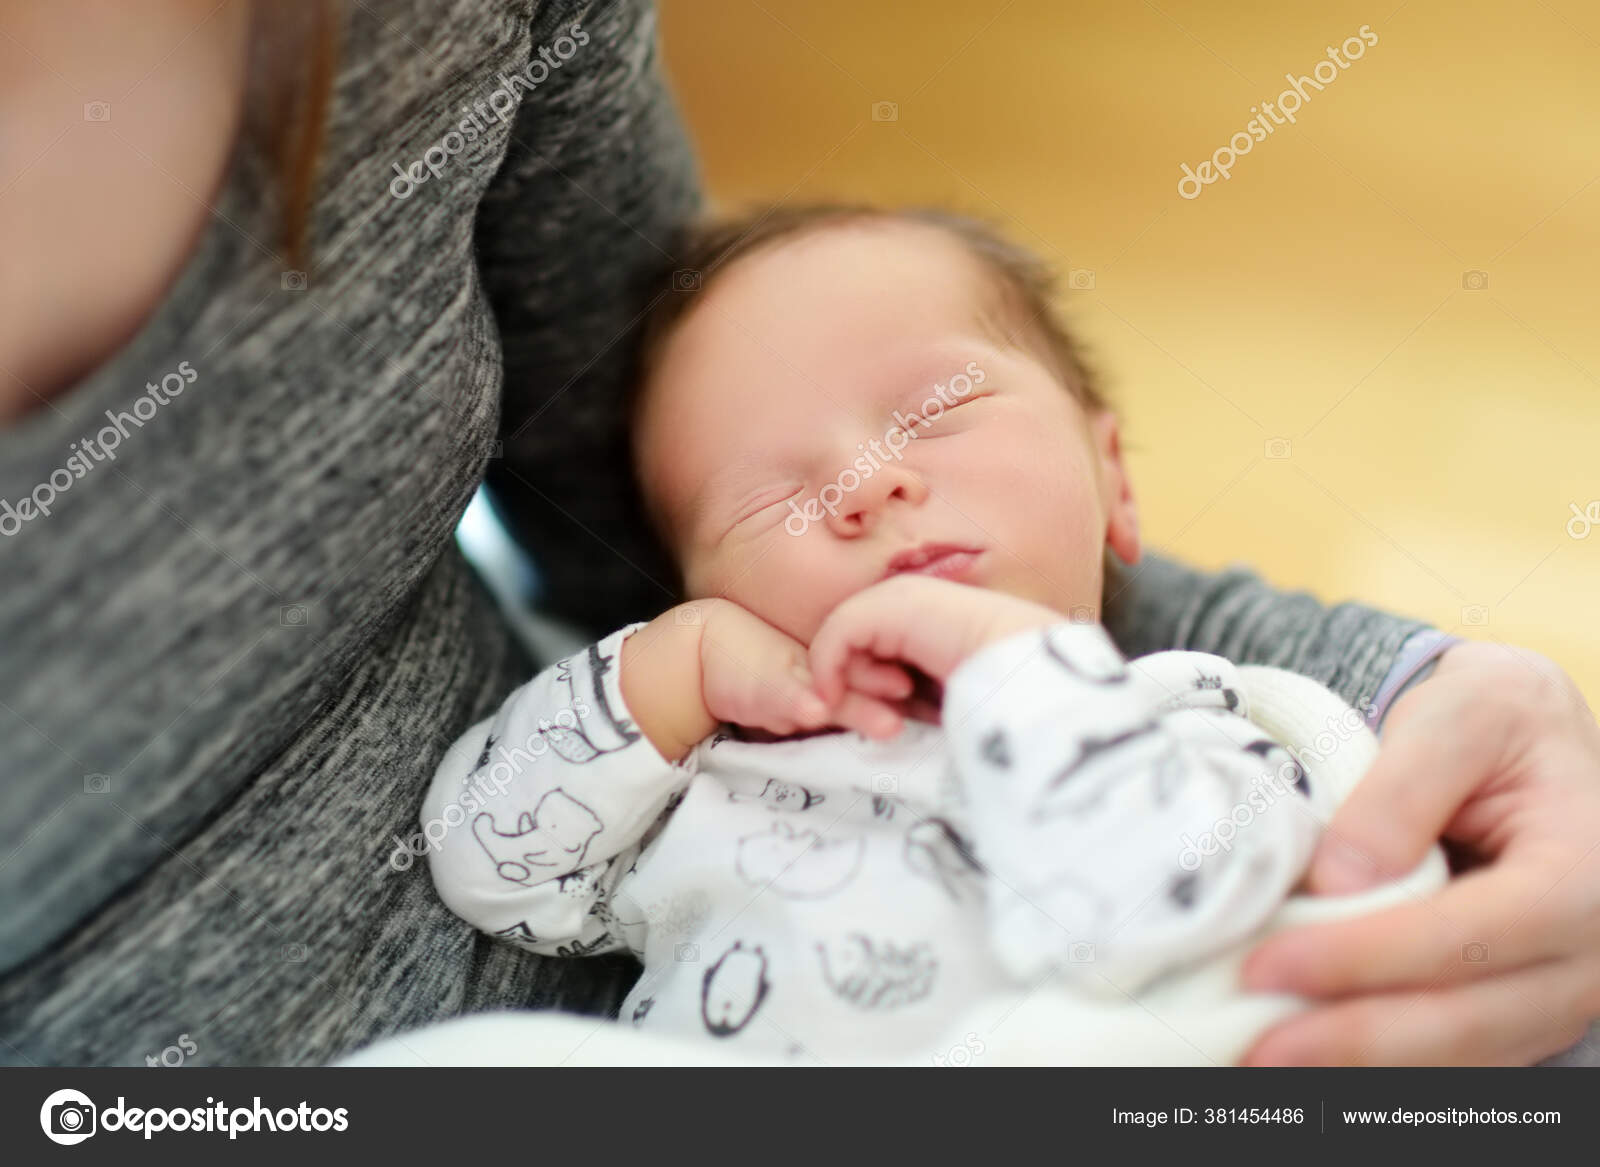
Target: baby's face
(769, 438)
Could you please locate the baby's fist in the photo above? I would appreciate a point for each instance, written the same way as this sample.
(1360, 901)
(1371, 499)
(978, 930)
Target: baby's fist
(933, 624)
(754, 675)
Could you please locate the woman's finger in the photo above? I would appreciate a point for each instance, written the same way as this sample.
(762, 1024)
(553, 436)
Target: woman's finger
(1481, 924)
(1509, 1020)
(1437, 749)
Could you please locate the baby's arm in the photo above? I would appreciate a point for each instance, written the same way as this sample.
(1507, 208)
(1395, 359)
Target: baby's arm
(536, 814)
(1130, 819)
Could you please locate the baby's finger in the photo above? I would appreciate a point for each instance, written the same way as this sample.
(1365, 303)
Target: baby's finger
(851, 630)
(867, 716)
(807, 709)
(785, 705)
(877, 678)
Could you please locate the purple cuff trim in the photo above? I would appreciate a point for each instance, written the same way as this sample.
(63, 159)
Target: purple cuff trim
(1416, 659)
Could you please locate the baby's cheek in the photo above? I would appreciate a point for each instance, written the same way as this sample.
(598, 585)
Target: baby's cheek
(778, 583)
(808, 587)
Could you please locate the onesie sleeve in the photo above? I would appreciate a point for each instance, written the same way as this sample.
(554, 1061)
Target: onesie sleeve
(1130, 817)
(536, 814)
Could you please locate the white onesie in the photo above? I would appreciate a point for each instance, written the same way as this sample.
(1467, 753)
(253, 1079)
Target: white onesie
(1081, 829)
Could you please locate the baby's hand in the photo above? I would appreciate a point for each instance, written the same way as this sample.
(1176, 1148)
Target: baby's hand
(754, 675)
(932, 624)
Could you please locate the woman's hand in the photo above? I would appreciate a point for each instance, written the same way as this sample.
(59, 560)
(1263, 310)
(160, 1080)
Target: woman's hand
(928, 623)
(1498, 754)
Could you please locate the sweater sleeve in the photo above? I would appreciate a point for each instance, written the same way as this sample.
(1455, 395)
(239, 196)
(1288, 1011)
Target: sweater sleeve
(536, 815)
(1162, 604)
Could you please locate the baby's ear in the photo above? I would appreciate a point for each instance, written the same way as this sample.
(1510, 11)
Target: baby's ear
(1116, 488)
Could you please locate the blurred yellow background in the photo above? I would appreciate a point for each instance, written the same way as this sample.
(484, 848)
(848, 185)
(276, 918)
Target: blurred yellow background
(1440, 426)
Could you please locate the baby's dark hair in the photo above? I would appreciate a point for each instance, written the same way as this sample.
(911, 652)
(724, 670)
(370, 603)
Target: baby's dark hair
(1020, 311)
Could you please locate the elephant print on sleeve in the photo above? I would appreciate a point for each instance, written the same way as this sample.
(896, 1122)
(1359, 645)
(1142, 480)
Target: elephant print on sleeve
(549, 842)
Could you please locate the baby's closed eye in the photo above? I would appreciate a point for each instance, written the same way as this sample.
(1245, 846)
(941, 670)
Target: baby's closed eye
(925, 418)
(763, 501)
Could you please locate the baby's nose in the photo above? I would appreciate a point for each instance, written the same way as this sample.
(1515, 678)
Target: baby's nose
(859, 509)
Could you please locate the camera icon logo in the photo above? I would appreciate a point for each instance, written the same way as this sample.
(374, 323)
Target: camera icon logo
(97, 783)
(1474, 281)
(1475, 952)
(1080, 279)
(688, 614)
(1081, 614)
(686, 280)
(1278, 448)
(68, 1117)
(1474, 615)
(97, 111)
(686, 953)
(885, 784)
(292, 616)
(886, 111)
(293, 953)
(294, 281)
(1081, 952)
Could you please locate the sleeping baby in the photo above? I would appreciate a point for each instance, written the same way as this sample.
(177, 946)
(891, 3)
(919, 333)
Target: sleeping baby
(883, 780)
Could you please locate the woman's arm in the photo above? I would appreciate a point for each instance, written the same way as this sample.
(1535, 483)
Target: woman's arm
(580, 220)
(1163, 604)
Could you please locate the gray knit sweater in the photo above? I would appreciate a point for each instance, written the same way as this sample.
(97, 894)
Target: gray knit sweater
(232, 655)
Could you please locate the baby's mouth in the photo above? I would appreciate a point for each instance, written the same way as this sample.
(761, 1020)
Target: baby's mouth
(944, 560)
